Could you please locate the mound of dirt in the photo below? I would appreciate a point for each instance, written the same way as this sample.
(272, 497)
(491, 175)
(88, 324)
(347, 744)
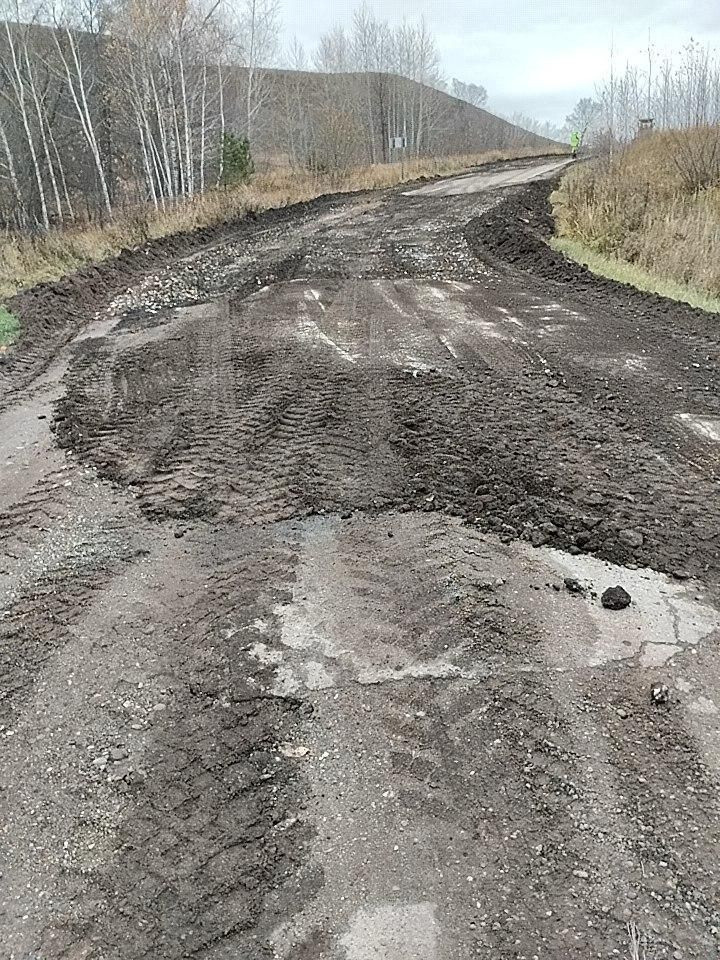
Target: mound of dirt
(516, 233)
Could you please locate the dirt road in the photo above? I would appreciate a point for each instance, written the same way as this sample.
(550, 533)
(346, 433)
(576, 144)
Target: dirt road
(302, 542)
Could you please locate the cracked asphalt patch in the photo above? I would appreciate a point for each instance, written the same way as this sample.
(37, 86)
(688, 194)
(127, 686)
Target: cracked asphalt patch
(303, 653)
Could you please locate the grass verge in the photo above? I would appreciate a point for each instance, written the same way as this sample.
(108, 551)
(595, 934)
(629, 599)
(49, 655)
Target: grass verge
(25, 261)
(9, 327)
(624, 272)
(654, 203)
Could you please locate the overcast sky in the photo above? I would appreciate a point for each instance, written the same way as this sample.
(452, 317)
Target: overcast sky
(538, 56)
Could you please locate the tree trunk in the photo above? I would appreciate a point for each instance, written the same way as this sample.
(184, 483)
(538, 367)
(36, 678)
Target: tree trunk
(42, 123)
(20, 96)
(79, 96)
(203, 103)
(20, 205)
(169, 173)
(189, 162)
(221, 161)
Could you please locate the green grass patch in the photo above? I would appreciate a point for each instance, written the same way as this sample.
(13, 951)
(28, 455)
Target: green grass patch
(9, 327)
(625, 272)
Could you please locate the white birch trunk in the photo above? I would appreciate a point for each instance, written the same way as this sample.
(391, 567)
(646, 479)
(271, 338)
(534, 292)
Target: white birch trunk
(79, 96)
(221, 162)
(169, 173)
(12, 174)
(203, 104)
(20, 97)
(189, 162)
(42, 123)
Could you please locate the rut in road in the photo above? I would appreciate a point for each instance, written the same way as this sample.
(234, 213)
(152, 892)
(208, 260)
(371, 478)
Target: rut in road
(289, 668)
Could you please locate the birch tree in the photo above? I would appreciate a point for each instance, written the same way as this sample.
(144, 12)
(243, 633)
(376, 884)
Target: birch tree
(168, 61)
(76, 77)
(257, 32)
(10, 174)
(37, 97)
(334, 54)
(18, 93)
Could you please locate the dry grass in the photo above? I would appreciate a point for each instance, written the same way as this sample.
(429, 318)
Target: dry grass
(624, 272)
(637, 943)
(655, 206)
(26, 261)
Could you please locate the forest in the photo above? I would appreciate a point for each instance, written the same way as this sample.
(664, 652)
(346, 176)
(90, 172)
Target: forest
(107, 105)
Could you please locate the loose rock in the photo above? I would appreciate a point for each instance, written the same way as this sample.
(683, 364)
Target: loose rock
(294, 752)
(631, 538)
(616, 598)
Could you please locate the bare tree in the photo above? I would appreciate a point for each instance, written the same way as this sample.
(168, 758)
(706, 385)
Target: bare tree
(258, 29)
(295, 123)
(473, 93)
(334, 53)
(11, 174)
(76, 78)
(19, 94)
(169, 66)
(584, 118)
(684, 93)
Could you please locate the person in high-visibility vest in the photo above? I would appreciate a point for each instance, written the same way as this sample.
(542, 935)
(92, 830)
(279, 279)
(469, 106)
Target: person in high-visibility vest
(575, 141)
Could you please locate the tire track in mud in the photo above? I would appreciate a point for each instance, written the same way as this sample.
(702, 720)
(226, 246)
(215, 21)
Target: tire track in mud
(207, 832)
(677, 341)
(200, 800)
(258, 427)
(433, 751)
(53, 313)
(296, 412)
(235, 426)
(70, 560)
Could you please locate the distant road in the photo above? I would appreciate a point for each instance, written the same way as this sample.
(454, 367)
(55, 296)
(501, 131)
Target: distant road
(479, 182)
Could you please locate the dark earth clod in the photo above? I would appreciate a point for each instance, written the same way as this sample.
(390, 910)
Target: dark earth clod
(615, 598)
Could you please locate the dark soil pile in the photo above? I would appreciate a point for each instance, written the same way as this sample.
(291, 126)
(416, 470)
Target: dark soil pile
(515, 233)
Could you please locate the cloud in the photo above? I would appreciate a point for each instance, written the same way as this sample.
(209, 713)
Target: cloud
(535, 57)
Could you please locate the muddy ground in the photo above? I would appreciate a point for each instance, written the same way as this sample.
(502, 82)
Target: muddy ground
(289, 664)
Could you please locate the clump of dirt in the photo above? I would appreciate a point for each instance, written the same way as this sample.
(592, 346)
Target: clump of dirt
(616, 598)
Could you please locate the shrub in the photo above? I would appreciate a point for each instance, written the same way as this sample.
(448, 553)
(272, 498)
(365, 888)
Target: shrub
(238, 165)
(9, 327)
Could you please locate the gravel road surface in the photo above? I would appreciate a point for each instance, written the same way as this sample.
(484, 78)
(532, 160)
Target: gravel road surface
(305, 525)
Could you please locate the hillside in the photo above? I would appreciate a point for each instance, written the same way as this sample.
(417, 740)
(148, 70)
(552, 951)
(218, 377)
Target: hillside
(90, 123)
(351, 118)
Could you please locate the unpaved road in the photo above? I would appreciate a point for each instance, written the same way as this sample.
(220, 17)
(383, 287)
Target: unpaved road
(289, 667)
